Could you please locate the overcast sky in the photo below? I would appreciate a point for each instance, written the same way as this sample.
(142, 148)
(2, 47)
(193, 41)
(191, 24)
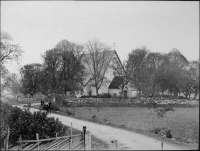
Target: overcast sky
(160, 26)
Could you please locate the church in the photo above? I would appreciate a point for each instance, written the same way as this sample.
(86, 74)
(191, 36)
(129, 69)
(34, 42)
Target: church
(110, 73)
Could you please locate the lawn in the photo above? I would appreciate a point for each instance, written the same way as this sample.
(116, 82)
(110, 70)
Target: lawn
(183, 122)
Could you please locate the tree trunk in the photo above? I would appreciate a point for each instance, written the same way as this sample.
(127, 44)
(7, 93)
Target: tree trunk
(97, 91)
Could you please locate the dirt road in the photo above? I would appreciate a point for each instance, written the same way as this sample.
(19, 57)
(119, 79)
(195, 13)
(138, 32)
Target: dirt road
(126, 139)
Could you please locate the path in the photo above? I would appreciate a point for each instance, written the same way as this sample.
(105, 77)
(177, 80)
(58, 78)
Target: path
(126, 139)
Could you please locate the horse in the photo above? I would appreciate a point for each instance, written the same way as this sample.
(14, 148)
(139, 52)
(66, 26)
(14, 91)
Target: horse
(46, 107)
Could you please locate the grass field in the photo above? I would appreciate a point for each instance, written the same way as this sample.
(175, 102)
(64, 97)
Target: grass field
(183, 122)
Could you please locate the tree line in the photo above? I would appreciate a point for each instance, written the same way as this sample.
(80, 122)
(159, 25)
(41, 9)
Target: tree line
(66, 68)
(154, 73)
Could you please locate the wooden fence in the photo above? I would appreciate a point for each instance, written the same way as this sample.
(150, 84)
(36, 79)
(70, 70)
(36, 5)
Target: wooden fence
(73, 142)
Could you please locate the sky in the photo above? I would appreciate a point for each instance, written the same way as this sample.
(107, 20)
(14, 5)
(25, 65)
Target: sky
(38, 26)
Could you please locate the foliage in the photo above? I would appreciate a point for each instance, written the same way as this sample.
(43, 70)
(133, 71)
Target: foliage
(63, 70)
(62, 101)
(5, 114)
(103, 95)
(144, 68)
(28, 124)
(135, 65)
(70, 111)
(153, 73)
(55, 107)
(190, 79)
(31, 78)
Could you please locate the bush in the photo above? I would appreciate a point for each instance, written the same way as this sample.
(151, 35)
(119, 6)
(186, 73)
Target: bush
(55, 107)
(157, 130)
(105, 95)
(182, 97)
(94, 117)
(63, 100)
(70, 111)
(165, 132)
(27, 124)
(88, 96)
(5, 114)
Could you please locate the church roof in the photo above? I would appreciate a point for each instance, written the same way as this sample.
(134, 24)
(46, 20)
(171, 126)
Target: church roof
(116, 82)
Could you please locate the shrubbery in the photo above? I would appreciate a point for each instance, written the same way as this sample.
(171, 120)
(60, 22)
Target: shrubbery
(55, 107)
(5, 114)
(27, 124)
(70, 111)
(104, 95)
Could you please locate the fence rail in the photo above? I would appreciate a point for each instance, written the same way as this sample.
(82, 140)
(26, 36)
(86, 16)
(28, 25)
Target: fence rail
(81, 141)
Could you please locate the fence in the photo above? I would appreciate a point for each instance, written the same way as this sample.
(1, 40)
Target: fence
(73, 142)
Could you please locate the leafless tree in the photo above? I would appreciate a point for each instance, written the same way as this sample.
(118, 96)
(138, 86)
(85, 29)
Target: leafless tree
(96, 61)
(9, 52)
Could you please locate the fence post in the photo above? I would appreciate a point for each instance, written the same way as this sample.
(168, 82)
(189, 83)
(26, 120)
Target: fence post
(20, 142)
(37, 137)
(88, 140)
(84, 130)
(57, 143)
(70, 139)
(7, 138)
(114, 145)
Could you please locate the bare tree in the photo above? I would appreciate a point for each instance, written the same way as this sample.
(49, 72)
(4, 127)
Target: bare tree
(96, 61)
(9, 52)
(13, 84)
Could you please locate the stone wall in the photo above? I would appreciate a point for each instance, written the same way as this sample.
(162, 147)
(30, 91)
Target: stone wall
(129, 101)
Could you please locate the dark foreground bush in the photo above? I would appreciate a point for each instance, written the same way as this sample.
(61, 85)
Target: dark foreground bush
(5, 114)
(27, 124)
